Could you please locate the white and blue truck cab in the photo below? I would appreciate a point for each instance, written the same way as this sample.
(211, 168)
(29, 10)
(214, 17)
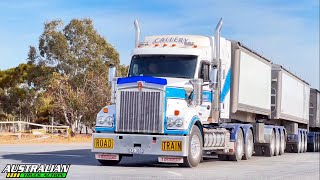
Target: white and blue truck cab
(187, 96)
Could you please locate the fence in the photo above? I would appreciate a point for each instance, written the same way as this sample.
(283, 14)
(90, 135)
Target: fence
(19, 127)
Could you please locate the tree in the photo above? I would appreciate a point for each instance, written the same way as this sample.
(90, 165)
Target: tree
(32, 55)
(80, 57)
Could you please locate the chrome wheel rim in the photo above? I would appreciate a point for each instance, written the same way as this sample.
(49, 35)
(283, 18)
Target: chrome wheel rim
(281, 143)
(278, 145)
(240, 146)
(195, 146)
(299, 145)
(272, 145)
(250, 146)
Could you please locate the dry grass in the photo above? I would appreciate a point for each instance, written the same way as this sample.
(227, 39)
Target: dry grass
(45, 139)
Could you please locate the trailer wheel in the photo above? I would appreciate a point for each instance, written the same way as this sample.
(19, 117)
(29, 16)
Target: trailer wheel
(305, 142)
(239, 147)
(317, 143)
(277, 147)
(282, 142)
(248, 147)
(195, 149)
(110, 163)
(301, 143)
(271, 146)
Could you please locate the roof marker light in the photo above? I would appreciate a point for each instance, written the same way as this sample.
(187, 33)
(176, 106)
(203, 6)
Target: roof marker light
(164, 45)
(195, 46)
(173, 45)
(156, 45)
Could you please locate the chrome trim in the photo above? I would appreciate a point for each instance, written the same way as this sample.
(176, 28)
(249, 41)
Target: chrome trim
(140, 111)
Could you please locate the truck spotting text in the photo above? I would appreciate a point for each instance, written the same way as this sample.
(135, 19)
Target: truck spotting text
(187, 96)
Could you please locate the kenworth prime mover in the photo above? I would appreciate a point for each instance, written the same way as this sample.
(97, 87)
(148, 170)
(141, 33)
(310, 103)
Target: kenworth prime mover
(190, 96)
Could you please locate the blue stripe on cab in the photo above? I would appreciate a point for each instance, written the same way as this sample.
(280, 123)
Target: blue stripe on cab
(174, 92)
(147, 79)
(226, 86)
(179, 93)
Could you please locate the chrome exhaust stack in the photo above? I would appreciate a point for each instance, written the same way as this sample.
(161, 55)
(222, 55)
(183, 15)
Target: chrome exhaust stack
(215, 80)
(137, 27)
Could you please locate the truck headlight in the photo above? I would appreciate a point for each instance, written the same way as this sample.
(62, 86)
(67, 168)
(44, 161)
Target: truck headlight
(109, 121)
(170, 122)
(101, 120)
(179, 122)
(105, 121)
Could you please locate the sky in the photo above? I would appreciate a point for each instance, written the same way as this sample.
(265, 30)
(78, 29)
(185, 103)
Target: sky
(286, 32)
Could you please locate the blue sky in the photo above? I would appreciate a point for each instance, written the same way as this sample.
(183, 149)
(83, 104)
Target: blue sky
(287, 32)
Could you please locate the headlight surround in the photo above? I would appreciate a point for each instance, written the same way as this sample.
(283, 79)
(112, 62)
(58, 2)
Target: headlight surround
(179, 122)
(175, 122)
(107, 121)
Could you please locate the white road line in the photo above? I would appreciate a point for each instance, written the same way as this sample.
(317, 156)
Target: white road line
(175, 173)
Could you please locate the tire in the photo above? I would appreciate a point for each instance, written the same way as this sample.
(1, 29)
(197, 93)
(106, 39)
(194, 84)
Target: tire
(282, 142)
(110, 163)
(195, 149)
(301, 143)
(277, 147)
(248, 147)
(305, 142)
(297, 147)
(271, 146)
(317, 143)
(239, 150)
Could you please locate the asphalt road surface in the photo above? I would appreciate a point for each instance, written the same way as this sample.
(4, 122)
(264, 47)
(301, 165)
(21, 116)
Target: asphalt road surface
(84, 166)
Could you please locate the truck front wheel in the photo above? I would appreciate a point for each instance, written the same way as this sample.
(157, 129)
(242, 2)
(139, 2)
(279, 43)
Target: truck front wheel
(195, 148)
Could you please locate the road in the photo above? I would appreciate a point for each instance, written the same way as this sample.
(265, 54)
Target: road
(84, 166)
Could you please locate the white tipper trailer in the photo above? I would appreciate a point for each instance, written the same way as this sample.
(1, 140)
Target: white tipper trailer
(189, 96)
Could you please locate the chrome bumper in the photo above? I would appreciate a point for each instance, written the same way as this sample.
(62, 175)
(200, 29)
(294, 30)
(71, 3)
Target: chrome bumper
(123, 144)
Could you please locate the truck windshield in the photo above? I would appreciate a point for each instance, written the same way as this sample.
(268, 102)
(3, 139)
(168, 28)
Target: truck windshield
(182, 66)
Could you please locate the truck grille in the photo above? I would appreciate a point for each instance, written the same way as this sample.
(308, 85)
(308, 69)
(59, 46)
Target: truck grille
(140, 112)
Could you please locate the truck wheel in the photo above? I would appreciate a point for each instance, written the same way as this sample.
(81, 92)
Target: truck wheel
(282, 142)
(248, 147)
(305, 142)
(317, 143)
(271, 146)
(239, 147)
(301, 144)
(195, 149)
(110, 163)
(277, 147)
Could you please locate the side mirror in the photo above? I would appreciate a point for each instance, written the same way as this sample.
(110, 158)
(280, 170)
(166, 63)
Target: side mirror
(112, 73)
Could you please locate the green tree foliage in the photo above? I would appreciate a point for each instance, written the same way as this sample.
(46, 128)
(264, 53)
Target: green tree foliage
(66, 77)
(80, 57)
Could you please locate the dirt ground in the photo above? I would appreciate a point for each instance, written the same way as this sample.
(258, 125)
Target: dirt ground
(43, 139)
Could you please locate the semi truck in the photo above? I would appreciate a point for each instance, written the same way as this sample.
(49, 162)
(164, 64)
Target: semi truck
(190, 96)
